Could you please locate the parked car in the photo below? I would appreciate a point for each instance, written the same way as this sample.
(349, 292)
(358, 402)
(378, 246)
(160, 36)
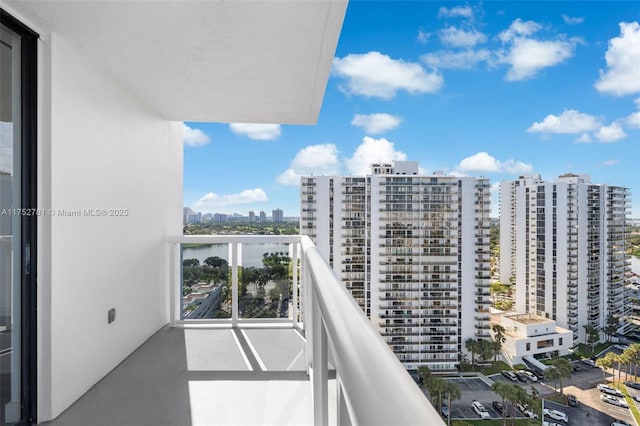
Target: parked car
(609, 390)
(444, 409)
(480, 410)
(572, 400)
(524, 409)
(575, 367)
(634, 385)
(545, 423)
(510, 375)
(497, 405)
(619, 423)
(621, 347)
(529, 375)
(588, 362)
(610, 399)
(522, 377)
(556, 415)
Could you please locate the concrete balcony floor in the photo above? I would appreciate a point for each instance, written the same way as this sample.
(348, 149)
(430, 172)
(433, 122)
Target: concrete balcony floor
(204, 376)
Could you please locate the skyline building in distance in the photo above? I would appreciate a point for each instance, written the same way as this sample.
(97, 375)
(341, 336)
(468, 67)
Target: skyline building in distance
(413, 250)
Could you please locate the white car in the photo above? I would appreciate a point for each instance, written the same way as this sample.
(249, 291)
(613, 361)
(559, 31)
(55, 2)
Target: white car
(524, 409)
(610, 390)
(550, 424)
(480, 410)
(529, 375)
(614, 401)
(556, 415)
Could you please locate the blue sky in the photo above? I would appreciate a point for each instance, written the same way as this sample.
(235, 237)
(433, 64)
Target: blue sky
(495, 89)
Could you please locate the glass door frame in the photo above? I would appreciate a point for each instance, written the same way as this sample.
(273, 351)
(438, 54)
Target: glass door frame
(29, 178)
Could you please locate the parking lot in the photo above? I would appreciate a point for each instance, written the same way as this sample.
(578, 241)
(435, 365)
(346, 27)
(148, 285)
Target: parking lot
(591, 409)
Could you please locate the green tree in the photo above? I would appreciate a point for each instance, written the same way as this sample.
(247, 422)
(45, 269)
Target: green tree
(452, 392)
(552, 373)
(190, 262)
(612, 326)
(472, 346)
(215, 262)
(591, 335)
(564, 370)
(503, 390)
(486, 349)
(274, 294)
(499, 339)
(605, 362)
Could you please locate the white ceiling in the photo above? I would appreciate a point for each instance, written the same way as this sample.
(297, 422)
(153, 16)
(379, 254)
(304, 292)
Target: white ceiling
(220, 61)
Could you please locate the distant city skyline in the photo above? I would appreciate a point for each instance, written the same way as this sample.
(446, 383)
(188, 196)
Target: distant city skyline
(497, 89)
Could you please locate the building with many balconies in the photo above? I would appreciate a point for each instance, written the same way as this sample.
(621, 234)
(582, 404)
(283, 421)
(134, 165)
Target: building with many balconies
(572, 268)
(413, 250)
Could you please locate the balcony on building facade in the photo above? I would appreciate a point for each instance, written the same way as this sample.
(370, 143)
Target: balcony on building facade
(316, 308)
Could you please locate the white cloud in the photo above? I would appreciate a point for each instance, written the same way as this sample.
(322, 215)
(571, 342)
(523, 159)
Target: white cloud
(446, 59)
(518, 28)
(376, 75)
(457, 37)
(633, 120)
(256, 131)
(608, 163)
(526, 55)
(212, 201)
(376, 123)
(483, 162)
(610, 133)
(585, 137)
(311, 160)
(194, 137)
(622, 76)
(570, 121)
(455, 12)
(423, 36)
(572, 20)
(372, 151)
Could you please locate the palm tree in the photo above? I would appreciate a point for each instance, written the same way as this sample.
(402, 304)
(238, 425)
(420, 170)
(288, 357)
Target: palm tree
(503, 390)
(499, 339)
(452, 392)
(624, 359)
(552, 373)
(604, 363)
(439, 386)
(472, 346)
(564, 370)
(634, 350)
(516, 395)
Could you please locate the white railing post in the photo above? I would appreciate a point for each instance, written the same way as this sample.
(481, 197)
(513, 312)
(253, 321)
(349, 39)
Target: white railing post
(294, 284)
(320, 376)
(174, 286)
(307, 300)
(234, 284)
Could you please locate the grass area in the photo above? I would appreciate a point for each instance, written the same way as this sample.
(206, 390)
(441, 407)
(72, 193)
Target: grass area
(556, 397)
(486, 370)
(632, 405)
(584, 351)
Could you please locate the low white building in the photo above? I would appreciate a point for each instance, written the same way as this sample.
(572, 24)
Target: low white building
(533, 336)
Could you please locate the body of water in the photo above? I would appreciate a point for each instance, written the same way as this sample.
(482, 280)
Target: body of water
(251, 254)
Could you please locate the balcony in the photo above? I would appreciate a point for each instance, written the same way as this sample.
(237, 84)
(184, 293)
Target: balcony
(305, 368)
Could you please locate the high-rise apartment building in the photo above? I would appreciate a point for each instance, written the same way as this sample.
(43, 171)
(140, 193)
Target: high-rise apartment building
(563, 244)
(413, 250)
(277, 216)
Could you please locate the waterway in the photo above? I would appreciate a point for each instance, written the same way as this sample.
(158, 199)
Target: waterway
(251, 254)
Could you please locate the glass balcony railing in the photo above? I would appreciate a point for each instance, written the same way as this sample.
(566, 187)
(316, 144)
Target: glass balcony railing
(242, 281)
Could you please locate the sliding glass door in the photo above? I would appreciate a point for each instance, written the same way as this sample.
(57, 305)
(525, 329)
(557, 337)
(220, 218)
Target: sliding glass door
(17, 221)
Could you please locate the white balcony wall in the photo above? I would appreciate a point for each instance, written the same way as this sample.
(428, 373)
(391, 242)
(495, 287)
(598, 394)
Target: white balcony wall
(101, 148)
